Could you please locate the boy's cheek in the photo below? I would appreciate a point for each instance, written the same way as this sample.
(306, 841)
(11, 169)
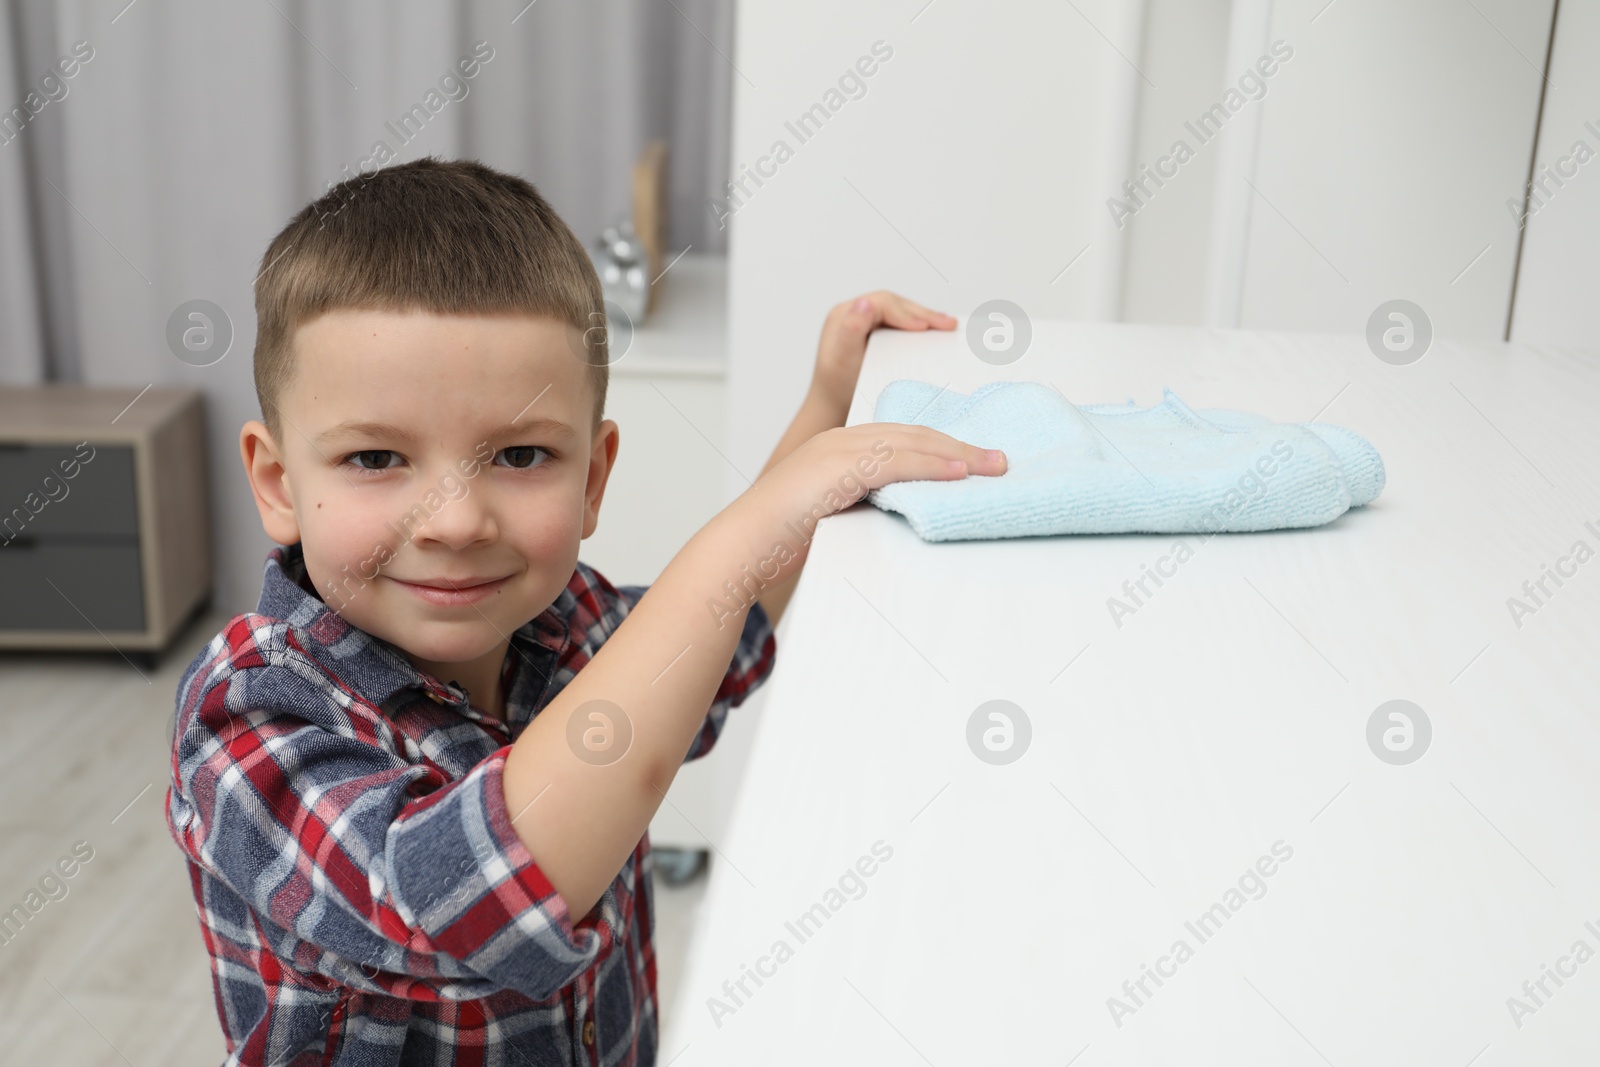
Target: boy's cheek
(344, 528)
(342, 547)
(546, 535)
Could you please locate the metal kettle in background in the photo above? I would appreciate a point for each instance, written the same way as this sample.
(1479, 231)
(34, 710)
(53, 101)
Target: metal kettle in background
(621, 260)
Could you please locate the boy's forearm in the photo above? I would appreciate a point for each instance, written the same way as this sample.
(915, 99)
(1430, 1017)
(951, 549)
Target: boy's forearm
(579, 816)
(817, 413)
(658, 673)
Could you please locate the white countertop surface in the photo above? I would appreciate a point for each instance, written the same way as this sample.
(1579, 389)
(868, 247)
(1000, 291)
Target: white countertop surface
(1168, 755)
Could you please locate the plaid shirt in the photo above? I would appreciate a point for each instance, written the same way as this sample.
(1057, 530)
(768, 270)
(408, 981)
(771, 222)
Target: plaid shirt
(361, 890)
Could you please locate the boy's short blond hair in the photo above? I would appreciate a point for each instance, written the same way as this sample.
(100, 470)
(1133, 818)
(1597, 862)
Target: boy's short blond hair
(452, 237)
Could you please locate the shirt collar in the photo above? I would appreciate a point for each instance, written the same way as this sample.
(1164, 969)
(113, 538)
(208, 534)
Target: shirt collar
(374, 668)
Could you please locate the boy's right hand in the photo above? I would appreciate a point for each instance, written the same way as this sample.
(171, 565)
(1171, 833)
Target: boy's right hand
(836, 468)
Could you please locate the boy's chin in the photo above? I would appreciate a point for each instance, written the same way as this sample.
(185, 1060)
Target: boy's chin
(445, 642)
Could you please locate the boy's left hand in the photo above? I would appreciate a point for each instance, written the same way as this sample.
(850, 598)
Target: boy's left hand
(844, 340)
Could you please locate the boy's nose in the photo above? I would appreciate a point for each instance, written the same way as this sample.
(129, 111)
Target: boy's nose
(460, 522)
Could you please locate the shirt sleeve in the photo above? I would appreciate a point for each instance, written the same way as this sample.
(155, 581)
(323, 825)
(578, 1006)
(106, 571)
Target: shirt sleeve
(750, 665)
(359, 865)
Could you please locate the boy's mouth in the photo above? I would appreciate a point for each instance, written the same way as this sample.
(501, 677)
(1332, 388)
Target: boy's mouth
(453, 593)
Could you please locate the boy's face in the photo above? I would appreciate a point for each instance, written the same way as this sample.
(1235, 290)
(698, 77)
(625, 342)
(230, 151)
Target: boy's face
(476, 463)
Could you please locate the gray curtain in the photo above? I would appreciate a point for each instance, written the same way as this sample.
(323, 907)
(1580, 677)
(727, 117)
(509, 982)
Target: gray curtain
(157, 172)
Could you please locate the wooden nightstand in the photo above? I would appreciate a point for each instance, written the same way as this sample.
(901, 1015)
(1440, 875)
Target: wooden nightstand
(104, 524)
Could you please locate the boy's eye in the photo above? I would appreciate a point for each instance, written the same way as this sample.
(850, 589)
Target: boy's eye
(520, 456)
(373, 459)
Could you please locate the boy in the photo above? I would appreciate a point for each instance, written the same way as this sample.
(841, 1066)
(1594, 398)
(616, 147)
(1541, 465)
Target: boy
(413, 788)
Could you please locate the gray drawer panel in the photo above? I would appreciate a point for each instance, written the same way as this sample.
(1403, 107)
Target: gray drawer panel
(100, 580)
(98, 500)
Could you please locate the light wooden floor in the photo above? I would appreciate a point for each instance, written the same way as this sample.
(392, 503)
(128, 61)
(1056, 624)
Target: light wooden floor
(114, 972)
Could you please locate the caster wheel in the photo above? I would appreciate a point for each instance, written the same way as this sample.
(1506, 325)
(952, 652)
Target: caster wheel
(676, 866)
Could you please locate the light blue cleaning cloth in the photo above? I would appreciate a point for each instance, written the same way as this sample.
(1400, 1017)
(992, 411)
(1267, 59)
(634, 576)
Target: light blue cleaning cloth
(1119, 468)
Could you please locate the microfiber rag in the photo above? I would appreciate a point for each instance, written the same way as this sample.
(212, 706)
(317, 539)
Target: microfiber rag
(1119, 468)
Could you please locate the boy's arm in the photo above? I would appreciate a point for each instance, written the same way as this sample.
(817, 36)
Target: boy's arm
(752, 663)
(817, 413)
(840, 352)
(581, 812)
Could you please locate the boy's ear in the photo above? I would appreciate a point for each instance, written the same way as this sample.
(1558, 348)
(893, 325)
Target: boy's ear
(269, 481)
(601, 459)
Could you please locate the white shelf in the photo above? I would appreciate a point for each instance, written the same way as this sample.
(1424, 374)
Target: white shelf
(686, 336)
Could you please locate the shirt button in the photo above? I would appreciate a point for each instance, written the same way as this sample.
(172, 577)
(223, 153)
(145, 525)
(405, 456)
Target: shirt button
(435, 697)
(588, 1032)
